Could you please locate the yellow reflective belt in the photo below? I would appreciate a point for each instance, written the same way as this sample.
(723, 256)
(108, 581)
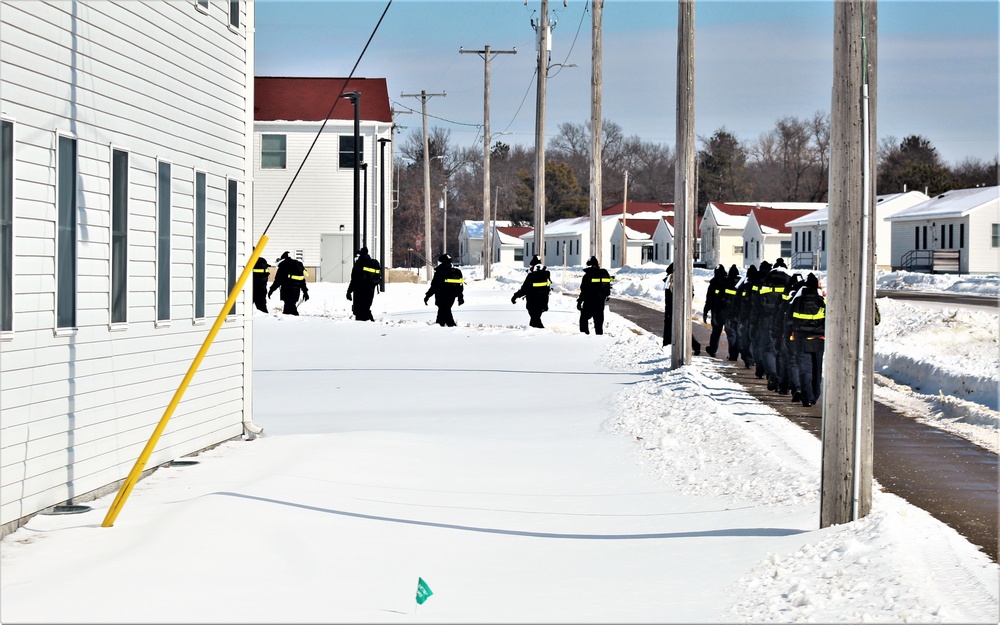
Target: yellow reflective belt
(717, 291)
(541, 284)
(764, 290)
(596, 279)
(260, 270)
(454, 280)
(730, 292)
(297, 277)
(820, 315)
(755, 288)
(779, 289)
(786, 297)
(606, 279)
(371, 270)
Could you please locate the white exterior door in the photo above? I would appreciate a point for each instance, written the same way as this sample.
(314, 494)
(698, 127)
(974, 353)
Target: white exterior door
(335, 258)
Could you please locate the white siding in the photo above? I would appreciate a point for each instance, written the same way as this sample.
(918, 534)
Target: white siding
(982, 256)
(160, 80)
(321, 200)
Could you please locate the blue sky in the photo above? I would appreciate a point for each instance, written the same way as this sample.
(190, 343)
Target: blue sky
(755, 63)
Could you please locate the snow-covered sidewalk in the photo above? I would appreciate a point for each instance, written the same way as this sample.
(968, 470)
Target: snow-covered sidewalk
(525, 475)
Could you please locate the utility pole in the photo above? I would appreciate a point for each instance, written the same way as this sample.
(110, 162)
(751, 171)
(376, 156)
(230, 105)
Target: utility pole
(596, 130)
(444, 220)
(848, 404)
(381, 206)
(624, 219)
(423, 95)
(684, 187)
(486, 55)
(543, 30)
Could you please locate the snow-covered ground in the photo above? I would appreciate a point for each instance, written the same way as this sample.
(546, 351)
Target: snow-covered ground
(526, 476)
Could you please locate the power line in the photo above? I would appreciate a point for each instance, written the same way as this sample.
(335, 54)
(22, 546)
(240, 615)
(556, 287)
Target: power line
(327, 118)
(450, 121)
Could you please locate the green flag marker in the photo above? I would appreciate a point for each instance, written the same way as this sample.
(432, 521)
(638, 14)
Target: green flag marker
(423, 591)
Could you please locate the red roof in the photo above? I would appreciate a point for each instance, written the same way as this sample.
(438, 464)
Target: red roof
(515, 231)
(733, 209)
(639, 207)
(777, 217)
(310, 99)
(645, 226)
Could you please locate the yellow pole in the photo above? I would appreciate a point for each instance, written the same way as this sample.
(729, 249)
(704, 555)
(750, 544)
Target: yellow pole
(147, 451)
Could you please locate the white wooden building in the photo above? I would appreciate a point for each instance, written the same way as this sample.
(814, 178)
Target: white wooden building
(315, 222)
(955, 232)
(810, 232)
(635, 236)
(767, 235)
(124, 223)
(568, 240)
(721, 231)
(508, 249)
(470, 240)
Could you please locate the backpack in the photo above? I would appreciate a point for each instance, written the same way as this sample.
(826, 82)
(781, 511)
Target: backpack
(454, 282)
(373, 271)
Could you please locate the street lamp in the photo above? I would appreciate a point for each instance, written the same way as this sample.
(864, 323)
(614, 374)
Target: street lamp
(355, 98)
(381, 207)
(364, 208)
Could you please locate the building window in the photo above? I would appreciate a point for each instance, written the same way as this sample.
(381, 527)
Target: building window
(203, 5)
(6, 225)
(200, 194)
(272, 151)
(231, 204)
(796, 241)
(518, 254)
(822, 240)
(738, 250)
(163, 191)
(996, 235)
(951, 236)
(66, 234)
(941, 246)
(809, 241)
(119, 236)
(786, 249)
(234, 13)
(961, 235)
(916, 237)
(347, 151)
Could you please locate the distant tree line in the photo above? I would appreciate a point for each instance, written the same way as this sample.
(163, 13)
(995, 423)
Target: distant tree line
(789, 163)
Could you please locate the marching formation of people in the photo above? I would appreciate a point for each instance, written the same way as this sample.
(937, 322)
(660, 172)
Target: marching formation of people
(775, 322)
(773, 319)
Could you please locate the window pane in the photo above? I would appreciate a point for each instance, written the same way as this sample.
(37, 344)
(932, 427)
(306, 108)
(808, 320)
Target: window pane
(347, 150)
(6, 225)
(200, 190)
(163, 242)
(119, 236)
(996, 235)
(234, 13)
(231, 239)
(272, 151)
(66, 235)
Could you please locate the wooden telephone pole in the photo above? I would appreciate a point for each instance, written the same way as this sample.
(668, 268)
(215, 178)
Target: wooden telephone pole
(423, 95)
(848, 403)
(684, 188)
(596, 130)
(486, 54)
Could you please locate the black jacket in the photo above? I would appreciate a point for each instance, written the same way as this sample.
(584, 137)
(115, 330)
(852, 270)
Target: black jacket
(536, 287)
(365, 275)
(595, 288)
(447, 285)
(290, 277)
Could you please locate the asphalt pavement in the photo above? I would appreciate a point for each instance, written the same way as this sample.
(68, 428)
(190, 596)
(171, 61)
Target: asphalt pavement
(950, 477)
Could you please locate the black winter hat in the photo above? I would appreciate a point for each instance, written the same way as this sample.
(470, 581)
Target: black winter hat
(734, 272)
(780, 263)
(670, 269)
(592, 262)
(444, 258)
(765, 266)
(720, 271)
(812, 281)
(283, 256)
(534, 261)
(363, 251)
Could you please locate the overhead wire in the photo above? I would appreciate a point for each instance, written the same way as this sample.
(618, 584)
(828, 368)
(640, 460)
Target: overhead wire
(327, 118)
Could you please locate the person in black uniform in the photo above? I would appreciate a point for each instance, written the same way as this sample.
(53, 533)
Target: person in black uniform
(447, 285)
(730, 303)
(260, 275)
(716, 304)
(535, 292)
(807, 313)
(365, 278)
(595, 289)
(668, 312)
(290, 277)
